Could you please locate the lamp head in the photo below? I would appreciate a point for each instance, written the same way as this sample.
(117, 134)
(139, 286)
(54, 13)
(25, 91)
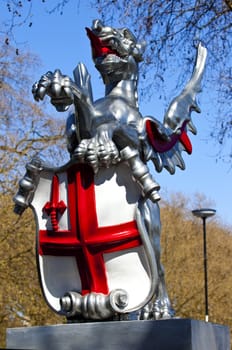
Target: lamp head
(204, 213)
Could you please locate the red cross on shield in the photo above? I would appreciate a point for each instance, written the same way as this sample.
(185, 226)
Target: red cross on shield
(80, 238)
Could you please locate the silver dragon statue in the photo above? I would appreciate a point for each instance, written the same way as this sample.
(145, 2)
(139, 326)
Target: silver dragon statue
(98, 220)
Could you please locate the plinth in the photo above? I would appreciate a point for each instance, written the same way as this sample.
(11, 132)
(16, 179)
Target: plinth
(173, 334)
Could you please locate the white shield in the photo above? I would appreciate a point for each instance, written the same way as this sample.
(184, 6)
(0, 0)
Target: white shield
(87, 236)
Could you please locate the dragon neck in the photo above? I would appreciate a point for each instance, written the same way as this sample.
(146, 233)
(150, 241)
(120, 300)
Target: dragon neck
(127, 89)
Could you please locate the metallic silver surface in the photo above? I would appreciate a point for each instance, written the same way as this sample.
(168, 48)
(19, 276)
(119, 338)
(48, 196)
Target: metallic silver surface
(182, 106)
(110, 131)
(148, 219)
(27, 186)
(141, 174)
(94, 306)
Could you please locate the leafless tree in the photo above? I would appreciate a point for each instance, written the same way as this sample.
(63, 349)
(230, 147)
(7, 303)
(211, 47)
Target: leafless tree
(25, 127)
(171, 29)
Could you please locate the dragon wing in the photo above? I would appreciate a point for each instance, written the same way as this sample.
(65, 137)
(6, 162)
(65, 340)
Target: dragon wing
(167, 141)
(82, 91)
(83, 82)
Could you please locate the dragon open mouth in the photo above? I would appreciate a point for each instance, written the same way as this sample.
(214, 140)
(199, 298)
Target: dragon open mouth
(99, 48)
(112, 52)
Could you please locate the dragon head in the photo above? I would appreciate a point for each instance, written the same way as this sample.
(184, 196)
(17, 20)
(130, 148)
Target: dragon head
(115, 52)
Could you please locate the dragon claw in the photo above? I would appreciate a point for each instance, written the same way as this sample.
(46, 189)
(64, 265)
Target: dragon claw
(57, 86)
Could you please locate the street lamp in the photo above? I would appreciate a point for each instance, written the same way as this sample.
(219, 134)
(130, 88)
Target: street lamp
(204, 214)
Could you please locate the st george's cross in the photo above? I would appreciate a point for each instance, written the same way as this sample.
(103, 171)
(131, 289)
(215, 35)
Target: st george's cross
(82, 239)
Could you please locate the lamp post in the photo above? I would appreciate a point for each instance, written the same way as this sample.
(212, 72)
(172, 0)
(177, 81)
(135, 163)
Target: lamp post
(204, 214)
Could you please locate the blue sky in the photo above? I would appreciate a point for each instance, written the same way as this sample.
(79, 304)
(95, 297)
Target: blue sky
(61, 42)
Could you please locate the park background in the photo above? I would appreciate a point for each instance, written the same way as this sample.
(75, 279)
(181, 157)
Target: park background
(59, 41)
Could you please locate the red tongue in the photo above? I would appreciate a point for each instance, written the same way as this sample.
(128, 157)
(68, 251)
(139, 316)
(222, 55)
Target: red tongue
(98, 48)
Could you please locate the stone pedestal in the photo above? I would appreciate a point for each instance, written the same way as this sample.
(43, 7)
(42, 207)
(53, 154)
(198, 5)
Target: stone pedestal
(174, 334)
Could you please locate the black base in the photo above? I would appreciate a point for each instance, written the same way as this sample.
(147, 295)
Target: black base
(174, 334)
